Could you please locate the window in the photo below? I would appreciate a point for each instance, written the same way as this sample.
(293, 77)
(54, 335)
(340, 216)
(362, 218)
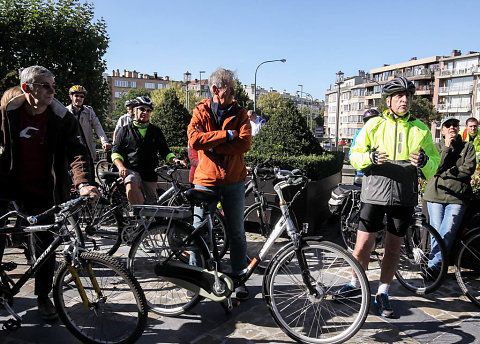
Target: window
(133, 84)
(150, 85)
(119, 94)
(121, 83)
(159, 86)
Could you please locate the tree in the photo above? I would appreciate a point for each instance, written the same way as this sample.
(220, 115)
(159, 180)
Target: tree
(241, 96)
(286, 133)
(270, 104)
(158, 96)
(119, 106)
(60, 35)
(421, 107)
(173, 118)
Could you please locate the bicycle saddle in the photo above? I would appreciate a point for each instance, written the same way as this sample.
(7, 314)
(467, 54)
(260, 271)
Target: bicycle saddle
(197, 196)
(108, 175)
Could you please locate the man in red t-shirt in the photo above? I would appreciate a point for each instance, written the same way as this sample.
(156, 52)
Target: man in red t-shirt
(40, 138)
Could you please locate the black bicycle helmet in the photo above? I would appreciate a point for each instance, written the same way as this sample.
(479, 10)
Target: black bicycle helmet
(142, 100)
(398, 84)
(130, 102)
(370, 113)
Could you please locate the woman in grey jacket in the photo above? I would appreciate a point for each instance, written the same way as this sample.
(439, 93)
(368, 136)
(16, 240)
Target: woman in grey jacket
(449, 191)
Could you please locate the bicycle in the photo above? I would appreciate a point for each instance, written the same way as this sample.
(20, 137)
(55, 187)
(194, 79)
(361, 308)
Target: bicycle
(114, 226)
(301, 284)
(261, 216)
(97, 299)
(415, 249)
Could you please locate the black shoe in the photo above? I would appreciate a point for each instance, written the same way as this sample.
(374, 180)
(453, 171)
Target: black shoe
(241, 292)
(346, 292)
(383, 305)
(46, 309)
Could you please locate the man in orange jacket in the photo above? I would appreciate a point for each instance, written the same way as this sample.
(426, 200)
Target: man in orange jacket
(220, 131)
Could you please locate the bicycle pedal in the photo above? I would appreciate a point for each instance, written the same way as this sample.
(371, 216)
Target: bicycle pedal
(10, 266)
(11, 325)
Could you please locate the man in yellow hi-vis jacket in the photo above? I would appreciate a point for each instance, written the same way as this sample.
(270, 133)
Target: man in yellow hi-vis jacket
(389, 149)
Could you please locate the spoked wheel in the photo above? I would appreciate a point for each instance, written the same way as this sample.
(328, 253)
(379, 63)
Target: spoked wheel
(349, 229)
(259, 222)
(103, 166)
(163, 297)
(102, 225)
(324, 317)
(116, 311)
(413, 272)
(467, 266)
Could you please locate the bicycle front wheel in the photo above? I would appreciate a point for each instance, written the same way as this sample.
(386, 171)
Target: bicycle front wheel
(412, 270)
(321, 318)
(259, 222)
(116, 311)
(467, 266)
(163, 297)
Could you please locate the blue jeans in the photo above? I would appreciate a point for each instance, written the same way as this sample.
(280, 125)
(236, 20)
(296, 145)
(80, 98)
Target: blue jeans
(446, 219)
(232, 197)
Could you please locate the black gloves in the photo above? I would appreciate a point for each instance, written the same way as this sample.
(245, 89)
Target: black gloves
(422, 159)
(374, 157)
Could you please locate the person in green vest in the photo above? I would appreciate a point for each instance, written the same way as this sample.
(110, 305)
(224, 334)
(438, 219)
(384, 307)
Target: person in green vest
(471, 133)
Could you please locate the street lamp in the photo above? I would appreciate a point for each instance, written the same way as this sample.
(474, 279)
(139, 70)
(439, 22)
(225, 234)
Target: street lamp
(255, 87)
(187, 77)
(337, 119)
(202, 71)
(301, 92)
(311, 110)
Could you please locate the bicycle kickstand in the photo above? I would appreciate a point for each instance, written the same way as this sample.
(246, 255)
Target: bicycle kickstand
(228, 305)
(11, 324)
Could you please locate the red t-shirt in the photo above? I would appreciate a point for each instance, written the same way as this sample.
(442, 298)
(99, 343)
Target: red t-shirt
(34, 173)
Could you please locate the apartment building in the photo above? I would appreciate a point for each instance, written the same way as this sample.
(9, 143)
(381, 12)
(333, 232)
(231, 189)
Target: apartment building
(449, 82)
(200, 87)
(121, 83)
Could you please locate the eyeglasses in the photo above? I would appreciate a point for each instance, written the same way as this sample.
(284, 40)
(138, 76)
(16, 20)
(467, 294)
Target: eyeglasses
(142, 109)
(79, 96)
(45, 85)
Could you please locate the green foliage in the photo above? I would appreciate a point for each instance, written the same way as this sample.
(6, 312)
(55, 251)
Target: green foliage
(60, 35)
(286, 133)
(270, 104)
(119, 106)
(193, 97)
(241, 96)
(421, 107)
(314, 166)
(173, 118)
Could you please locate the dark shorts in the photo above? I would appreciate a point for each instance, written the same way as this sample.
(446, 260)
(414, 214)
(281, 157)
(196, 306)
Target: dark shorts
(398, 218)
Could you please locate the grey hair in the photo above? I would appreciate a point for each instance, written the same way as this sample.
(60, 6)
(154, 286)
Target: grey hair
(221, 78)
(27, 76)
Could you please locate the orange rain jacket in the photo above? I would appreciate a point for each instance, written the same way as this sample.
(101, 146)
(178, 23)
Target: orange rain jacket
(221, 162)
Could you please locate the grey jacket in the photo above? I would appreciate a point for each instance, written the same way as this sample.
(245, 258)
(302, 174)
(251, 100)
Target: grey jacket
(451, 182)
(89, 121)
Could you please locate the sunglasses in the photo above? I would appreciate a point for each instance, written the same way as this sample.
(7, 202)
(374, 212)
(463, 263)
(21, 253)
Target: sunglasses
(451, 125)
(79, 96)
(142, 109)
(45, 85)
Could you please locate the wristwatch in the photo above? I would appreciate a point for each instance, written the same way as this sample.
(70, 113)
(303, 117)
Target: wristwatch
(81, 185)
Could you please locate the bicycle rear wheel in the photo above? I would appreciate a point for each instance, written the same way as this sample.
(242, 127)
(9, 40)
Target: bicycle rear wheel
(117, 315)
(467, 266)
(103, 165)
(322, 318)
(259, 221)
(412, 270)
(163, 297)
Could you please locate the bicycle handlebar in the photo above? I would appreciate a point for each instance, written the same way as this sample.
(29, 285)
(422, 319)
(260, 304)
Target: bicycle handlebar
(61, 208)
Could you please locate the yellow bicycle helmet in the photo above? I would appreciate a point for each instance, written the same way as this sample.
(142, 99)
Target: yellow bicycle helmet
(77, 89)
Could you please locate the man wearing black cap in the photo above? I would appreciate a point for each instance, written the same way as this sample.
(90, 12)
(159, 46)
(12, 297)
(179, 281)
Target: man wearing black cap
(449, 191)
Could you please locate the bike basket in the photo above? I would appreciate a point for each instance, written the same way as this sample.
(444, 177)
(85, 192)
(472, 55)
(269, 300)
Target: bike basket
(339, 197)
(162, 211)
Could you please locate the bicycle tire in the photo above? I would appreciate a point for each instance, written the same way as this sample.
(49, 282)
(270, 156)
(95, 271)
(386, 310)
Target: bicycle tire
(467, 266)
(119, 316)
(102, 165)
(163, 297)
(219, 225)
(414, 257)
(101, 226)
(323, 319)
(254, 224)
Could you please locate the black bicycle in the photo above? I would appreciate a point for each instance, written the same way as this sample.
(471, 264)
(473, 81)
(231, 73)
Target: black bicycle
(97, 299)
(412, 270)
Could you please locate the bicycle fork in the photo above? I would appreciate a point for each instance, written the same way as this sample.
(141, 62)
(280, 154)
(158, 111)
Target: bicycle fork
(81, 289)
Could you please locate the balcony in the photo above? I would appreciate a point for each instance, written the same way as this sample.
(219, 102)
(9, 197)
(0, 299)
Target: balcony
(419, 74)
(452, 91)
(454, 108)
(446, 73)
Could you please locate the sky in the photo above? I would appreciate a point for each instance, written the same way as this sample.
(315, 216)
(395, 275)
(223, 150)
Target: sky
(317, 38)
